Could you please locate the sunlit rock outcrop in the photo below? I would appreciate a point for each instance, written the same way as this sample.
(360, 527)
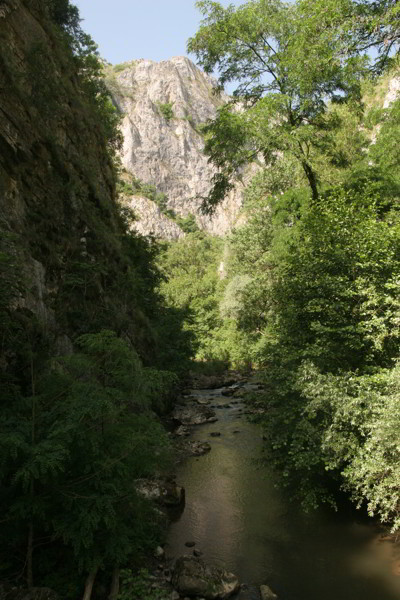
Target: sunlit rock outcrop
(164, 105)
(151, 221)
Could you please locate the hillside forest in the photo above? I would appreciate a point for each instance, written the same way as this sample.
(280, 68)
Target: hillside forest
(100, 326)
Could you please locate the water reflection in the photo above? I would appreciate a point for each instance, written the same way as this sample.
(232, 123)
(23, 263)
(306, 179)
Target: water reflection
(239, 520)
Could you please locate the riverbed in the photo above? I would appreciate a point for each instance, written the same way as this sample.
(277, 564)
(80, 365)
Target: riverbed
(239, 520)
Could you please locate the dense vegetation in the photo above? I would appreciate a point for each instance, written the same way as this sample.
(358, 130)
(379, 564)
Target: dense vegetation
(98, 323)
(90, 356)
(311, 288)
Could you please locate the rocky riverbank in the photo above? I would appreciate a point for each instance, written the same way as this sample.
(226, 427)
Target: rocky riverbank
(189, 576)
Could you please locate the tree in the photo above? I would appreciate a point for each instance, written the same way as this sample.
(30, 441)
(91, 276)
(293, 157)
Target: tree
(357, 26)
(192, 284)
(376, 25)
(355, 419)
(65, 15)
(323, 309)
(285, 79)
(332, 278)
(70, 454)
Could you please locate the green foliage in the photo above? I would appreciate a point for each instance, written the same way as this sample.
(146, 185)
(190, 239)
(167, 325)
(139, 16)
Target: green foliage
(375, 25)
(125, 188)
(166, 110)
(232, 302)
(337, 249)
(159, 388)
(192, 283)
(357, 422)
(198, 127)
(136, 186)
(10, 276)
(384, 151)
(72, 450)
(122, 66)
(139, 586)
(76, 431)
(321, 314)
(187, 224)
(94, 85)
(287, 70)
(65, 15)
(116, 87)
(311, 292)
(89, 68)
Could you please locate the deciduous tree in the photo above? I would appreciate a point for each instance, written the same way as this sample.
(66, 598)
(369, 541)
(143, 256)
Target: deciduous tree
(285, 74)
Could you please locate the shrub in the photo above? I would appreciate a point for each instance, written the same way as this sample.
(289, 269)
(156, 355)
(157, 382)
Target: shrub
(166, 110)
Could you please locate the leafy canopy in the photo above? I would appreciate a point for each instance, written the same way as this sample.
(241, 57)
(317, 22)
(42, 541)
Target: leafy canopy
(284, 82)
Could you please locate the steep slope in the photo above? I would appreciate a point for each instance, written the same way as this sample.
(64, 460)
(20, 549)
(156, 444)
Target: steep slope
(88, 349)
(57, 187)
(164, 105)
(152, 220)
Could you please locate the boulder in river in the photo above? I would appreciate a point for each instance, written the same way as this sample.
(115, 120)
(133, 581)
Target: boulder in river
(159, 552)
(229, 391)
(193, 414)
(197, 448)
(182, 431)
(266, 593)
(173, 495)
(166, 493)
(203, 401)
(193, 577)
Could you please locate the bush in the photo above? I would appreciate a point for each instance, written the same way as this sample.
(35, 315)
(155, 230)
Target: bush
(166, 110)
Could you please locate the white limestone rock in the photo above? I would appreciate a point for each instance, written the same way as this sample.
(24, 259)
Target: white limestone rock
(393, 92)
(168, 152)
(150, 220)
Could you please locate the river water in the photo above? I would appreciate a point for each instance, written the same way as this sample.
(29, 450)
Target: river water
(240, 520)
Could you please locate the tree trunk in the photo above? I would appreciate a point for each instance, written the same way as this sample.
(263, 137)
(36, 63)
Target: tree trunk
(29, 558)
(29, 550)
(114, 589)
(89, 585)
(312, 180)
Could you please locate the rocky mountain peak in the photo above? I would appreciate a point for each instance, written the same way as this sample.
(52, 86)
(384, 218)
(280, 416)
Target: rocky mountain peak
(164, 105)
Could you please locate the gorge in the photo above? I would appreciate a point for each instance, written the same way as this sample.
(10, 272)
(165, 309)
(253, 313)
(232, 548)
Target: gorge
(164, 245)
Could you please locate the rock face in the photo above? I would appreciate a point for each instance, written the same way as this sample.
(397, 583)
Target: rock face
(152, 220)
(192, 577)
(393, 92)
(53, 162)
(163, 106)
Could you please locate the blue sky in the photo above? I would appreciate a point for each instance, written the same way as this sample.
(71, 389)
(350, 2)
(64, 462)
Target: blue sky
(131, 29)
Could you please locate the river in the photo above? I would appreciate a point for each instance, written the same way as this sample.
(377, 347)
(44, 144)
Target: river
(240, 520)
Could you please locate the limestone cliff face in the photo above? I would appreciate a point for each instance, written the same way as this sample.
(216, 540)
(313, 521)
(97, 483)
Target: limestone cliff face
(151, 220)
(393, 91)
(60, 226)
(163, 105)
